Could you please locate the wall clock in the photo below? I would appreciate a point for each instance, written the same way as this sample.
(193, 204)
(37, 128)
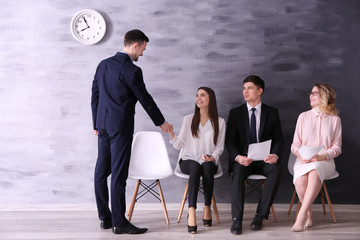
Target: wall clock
(88, 26)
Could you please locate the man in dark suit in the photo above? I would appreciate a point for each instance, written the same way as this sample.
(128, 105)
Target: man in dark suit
(253, 122)
(118, 84)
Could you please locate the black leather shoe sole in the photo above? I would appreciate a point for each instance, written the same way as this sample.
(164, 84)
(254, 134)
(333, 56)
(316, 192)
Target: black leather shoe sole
(128, 230)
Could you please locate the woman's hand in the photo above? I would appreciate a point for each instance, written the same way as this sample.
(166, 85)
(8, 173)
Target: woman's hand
(318, 158)
(171, 132)
(302, 160)
(207, 158)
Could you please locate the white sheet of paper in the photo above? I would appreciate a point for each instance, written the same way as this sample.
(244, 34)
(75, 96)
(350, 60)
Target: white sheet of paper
(259, 151)
(309, 152)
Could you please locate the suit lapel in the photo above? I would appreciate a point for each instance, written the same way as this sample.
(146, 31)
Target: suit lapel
(264, 112)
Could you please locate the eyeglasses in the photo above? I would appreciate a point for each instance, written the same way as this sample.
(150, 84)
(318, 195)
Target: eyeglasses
(313, 93)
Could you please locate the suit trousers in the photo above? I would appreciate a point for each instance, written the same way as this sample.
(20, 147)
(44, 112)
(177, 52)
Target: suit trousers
(241, 173)
(195, 170)
(114, 149)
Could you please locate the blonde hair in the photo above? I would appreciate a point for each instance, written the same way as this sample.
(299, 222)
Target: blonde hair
(327, 98)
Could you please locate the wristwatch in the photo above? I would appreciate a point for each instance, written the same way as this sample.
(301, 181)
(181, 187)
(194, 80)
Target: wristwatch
(327, 157)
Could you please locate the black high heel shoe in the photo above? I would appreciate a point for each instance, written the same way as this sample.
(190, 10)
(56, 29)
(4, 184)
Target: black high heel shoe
(191, 229)
(207, 222)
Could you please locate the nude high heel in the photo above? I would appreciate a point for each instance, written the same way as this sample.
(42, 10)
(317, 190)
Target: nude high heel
(298, 229)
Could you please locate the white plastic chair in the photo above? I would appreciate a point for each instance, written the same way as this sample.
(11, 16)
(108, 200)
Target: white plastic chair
(291, 162)
(254, 187)
(179, 173)
(149, 161)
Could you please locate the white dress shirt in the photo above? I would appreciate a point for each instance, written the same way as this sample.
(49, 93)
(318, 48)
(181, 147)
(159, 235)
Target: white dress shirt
(192, 147)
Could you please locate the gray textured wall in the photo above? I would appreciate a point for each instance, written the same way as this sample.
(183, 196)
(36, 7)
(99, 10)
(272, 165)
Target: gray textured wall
(47, 147)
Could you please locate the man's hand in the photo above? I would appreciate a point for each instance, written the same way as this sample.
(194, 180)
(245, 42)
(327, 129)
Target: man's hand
(245, 161)
(96, 132)
(165, 127)
(271, 159)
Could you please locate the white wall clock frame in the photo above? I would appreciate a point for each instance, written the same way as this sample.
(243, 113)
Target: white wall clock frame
(88, 26)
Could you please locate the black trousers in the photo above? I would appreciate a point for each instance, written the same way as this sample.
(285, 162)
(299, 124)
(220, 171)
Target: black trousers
(114, 151)
(195, 170)
(240, 174)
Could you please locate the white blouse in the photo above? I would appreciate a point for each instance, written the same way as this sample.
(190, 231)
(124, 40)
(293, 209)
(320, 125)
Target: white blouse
(192, 147)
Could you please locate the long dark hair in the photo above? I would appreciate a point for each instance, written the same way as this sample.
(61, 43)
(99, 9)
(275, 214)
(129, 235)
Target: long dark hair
(213, 114)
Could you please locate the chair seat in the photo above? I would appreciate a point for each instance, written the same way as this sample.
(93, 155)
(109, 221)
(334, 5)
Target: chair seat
(150, 176)
(257, 177)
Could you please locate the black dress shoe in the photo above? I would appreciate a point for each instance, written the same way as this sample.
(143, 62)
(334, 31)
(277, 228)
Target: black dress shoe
(257, 222)
(236, 227)
(106, 224)
(128, 229)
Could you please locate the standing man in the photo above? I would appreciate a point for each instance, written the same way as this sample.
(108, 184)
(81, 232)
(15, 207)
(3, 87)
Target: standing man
(118, 84)
(253, 122)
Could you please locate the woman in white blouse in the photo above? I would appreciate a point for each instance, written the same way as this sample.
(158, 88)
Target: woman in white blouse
(201, 137)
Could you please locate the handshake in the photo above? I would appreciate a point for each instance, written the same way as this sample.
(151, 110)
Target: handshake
(166, 127)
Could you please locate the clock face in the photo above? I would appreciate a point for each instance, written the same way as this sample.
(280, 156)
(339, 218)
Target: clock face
(88, 26)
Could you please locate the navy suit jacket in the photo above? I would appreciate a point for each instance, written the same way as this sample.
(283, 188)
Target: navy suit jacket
(118, 85)
(238, 131)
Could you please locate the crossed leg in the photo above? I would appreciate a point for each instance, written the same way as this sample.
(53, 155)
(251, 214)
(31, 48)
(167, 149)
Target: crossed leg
(307, 187)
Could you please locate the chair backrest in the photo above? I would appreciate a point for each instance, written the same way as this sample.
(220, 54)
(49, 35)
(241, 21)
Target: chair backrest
(179, 173)
(149, 158)
(291, 162)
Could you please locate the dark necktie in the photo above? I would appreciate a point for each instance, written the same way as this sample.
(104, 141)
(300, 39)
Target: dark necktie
(253, 127)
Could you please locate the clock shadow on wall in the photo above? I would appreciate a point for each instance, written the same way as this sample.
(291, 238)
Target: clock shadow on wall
(89, 26)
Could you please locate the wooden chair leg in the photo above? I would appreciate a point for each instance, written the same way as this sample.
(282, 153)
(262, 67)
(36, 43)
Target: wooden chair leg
(133, 200)
(292, 202)
(322, 200)
(273, 213)
(213, 202)
(163, 202)
(183, 201)
(329, 202)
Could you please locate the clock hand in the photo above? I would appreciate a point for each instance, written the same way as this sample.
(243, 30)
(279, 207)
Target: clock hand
(85, 22)
(84, 29)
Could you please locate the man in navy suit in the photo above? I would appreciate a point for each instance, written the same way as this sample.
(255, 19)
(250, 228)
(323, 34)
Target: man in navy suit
(253, 122)
(118, 84)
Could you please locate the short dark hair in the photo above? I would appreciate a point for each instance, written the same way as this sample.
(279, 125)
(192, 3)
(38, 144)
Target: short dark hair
(255, 80)
(135, 36)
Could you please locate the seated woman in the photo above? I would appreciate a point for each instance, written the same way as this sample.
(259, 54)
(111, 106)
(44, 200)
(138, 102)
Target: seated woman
(320, 126)
(201, 137)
